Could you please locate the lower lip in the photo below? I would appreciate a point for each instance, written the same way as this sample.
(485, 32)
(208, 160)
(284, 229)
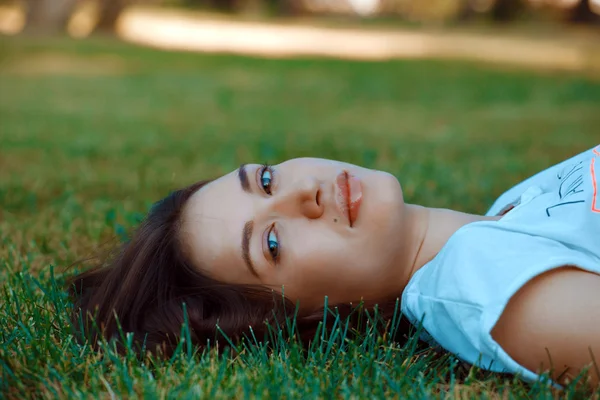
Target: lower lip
(349, 196)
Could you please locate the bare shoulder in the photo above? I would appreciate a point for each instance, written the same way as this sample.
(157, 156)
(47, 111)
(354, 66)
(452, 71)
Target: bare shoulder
(553, 323)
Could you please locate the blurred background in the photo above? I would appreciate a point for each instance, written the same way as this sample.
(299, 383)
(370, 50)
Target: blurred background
(82, 17)
(107, 105)
(374, 29)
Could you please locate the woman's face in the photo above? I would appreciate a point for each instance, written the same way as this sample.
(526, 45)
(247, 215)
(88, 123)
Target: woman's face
(307, 227)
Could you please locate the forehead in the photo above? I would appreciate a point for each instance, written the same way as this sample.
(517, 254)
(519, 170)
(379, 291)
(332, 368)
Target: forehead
(213, 221)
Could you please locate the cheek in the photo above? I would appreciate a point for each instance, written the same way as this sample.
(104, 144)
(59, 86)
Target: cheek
(326, 267)
(384, 212)
(310, 267)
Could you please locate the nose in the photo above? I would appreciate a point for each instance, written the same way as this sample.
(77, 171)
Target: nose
(301, 198)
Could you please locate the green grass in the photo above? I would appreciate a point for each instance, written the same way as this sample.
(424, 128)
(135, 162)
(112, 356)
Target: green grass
(92, 132)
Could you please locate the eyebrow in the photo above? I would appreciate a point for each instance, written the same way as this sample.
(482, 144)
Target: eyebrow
(243, 176)
(246, 235)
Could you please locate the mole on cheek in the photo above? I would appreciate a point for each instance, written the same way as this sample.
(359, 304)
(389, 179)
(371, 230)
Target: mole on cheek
(335, 220)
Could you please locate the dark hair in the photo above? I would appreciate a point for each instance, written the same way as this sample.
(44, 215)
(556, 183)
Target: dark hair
(142, 288)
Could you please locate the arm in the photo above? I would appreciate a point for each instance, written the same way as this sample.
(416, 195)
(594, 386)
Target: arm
(553, 323)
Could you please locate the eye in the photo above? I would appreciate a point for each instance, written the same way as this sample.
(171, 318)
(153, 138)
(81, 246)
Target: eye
(273, 243)
(266, 178)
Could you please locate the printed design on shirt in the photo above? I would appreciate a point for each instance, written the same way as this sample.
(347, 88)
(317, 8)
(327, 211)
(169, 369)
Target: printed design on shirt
(595, 200)
(571, 182)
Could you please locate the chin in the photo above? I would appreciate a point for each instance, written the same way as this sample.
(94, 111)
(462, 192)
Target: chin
(383, 202)
(390, 189)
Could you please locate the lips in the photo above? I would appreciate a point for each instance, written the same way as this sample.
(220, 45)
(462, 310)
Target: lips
(349, 196)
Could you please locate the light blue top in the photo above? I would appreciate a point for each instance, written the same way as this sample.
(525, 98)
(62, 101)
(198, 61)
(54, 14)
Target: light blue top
(461, 293)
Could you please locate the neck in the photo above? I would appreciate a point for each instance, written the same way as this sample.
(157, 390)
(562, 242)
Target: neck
(430, 229)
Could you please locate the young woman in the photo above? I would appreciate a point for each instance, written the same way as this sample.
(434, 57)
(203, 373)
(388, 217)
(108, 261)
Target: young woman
(516, 290)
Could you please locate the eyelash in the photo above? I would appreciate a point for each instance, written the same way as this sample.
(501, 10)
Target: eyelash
(263, 169)
(273, 231)
(268, 190)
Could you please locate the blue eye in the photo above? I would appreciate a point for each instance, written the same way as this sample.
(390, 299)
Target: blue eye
(266, 179)
(273, 244)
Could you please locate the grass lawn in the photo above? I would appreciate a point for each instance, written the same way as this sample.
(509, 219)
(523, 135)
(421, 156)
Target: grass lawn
(92, 132)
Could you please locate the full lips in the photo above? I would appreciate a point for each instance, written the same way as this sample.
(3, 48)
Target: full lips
(350, 195)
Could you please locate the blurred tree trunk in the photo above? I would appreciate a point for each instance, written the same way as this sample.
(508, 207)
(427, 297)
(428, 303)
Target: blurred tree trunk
(108, 15)
(583, 14)
(48, 16)
(496, 10)
(466, 12)
(506, 10)
(226, 6)
(287, 7)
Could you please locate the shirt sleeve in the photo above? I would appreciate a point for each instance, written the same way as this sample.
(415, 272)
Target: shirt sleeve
(461, 294)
